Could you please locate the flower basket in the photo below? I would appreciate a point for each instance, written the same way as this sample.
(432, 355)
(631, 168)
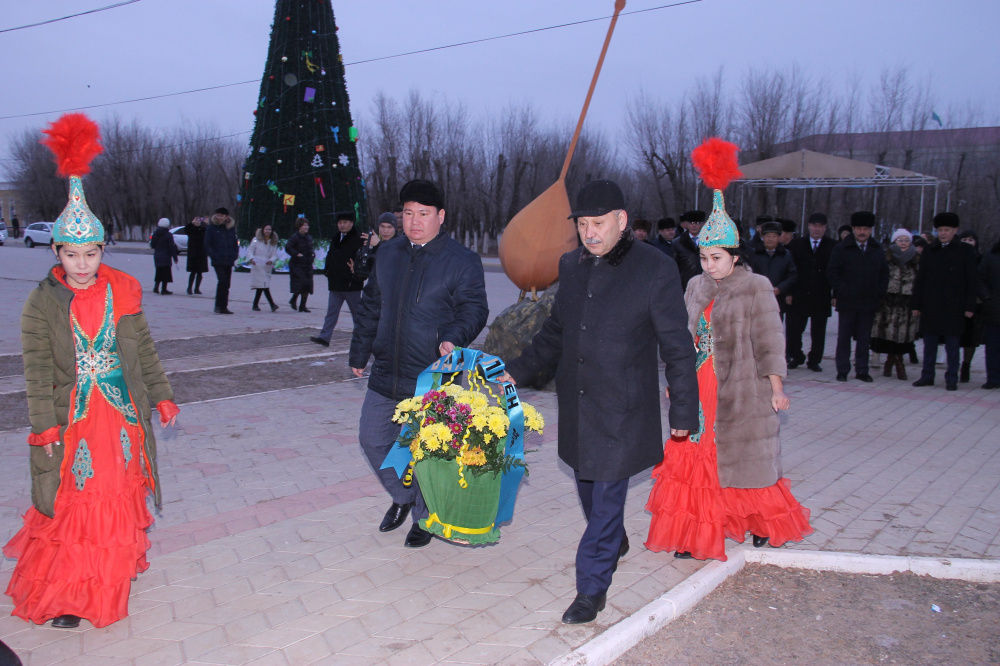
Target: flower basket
(463, 515)
(464, 445)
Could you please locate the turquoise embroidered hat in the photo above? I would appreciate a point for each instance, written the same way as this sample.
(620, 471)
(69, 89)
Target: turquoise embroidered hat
(716, 163)
(74, 139)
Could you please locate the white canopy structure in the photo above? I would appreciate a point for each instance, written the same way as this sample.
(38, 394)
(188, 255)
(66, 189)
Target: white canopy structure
(806, 169)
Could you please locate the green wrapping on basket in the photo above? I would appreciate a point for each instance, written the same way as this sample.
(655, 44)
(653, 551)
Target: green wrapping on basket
(463, 515)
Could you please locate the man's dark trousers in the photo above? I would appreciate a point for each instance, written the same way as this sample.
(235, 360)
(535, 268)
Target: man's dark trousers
(796, 327)
(859, 326)
(596, 556)
(952, 344)
(377, 434)
(992, 353)
(225, 276)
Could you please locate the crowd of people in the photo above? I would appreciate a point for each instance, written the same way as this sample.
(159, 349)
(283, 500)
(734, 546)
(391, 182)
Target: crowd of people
(935, 288)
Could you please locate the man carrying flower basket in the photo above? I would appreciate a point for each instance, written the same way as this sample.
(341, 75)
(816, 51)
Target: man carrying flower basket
(426, 296)
(618, 301)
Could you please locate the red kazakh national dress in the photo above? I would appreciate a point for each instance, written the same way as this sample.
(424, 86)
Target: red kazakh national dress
(691, 512)
(82, 561)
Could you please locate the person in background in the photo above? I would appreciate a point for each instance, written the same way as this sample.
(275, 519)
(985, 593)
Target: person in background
(757, 241)
(197, 258)
(859, 275)
(261, 254)
(666, 228)
(223, 249)
(919, 243)
(641, 229)
(787, 231)
(686, 246)
(944, 296)
(15, 225)
(844, 231)
(975, 327)
(895, 328)
(339, 270)
(164, 252)
(775, 262)
(810, 297)
(989, 274)
(300, 264)
(364, 262)
(398, 213)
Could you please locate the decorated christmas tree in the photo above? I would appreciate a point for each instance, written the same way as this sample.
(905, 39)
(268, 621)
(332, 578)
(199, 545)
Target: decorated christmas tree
(303, 157)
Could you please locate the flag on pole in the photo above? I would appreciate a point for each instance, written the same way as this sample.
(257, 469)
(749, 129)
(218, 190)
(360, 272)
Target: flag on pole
(937, 118)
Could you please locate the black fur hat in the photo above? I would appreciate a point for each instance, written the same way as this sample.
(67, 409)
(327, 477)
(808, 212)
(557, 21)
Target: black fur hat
(817, 218)
(666, 223)
(423, 192)
(694, 216)
(862, 218)
(787, 226)
(946, 220)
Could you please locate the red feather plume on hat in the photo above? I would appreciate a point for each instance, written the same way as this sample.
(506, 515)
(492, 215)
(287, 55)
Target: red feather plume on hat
(716, 162)
(75, 141)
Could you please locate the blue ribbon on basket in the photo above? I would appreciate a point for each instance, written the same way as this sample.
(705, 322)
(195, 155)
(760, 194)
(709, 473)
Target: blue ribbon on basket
(462, 360)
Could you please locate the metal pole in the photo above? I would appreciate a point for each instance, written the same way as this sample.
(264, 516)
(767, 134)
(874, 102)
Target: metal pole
(920, 218)
(935, 198)
(696, 192)
(875, 202)
(803, 225)
(742, 192)
(947, 205)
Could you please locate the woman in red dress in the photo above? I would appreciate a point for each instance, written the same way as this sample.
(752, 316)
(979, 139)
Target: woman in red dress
(725, 480)
(91, 370)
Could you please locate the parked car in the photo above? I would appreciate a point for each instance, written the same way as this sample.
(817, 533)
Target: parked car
(180, 238)
(38, 233)
(3, 232)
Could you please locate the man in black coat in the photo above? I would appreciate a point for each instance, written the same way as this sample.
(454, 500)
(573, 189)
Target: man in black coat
(339, 271)
(944, 294)
(223, 248)
(810, 296)
(666, 229)
(774, 261)
(859, 274)
(426, 296)
(601, 338)
(686, 246)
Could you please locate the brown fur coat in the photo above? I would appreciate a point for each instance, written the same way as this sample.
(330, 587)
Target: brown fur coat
(749, 346)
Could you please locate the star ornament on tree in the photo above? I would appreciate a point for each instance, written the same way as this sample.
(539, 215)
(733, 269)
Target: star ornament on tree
(344, 159)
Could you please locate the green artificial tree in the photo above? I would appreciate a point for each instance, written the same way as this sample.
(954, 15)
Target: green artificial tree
(303, 157)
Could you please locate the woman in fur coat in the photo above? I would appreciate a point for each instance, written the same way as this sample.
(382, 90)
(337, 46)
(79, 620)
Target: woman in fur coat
(725, 479)
(261, 254)
(896, 327)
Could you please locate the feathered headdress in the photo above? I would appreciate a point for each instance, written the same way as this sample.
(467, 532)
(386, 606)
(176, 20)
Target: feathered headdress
(74, 139)
(716, 163)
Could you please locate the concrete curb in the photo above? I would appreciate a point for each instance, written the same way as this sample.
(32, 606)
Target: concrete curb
(652, 617)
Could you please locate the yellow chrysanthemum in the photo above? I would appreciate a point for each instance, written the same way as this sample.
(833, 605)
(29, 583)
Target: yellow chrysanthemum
(452, 390)
(497, 421)
(434, 436)
(479, 421)
(474, 457)
(533, 420)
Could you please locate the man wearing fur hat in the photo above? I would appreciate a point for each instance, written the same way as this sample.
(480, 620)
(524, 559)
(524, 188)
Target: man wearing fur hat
(602, 338)
(810, 298)
(426, 296)
(686, 246)
(859, 274)
(223, 248)
(944, 295)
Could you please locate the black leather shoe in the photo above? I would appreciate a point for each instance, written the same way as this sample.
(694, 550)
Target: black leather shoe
(66, 622)
(759, 542)
(197, 292)
(991, 385)
(274, 308)
(841, 376)
(256, 308)
(793, 364)
(951, 387)
(683, 555)
(924, 382)
(165, 292)
(584, 609)
(815, 367)
(864, 377)
(223, 311)
(320, 341)
(301, 309)
(417, 537)
(622, 551)
(394, 517)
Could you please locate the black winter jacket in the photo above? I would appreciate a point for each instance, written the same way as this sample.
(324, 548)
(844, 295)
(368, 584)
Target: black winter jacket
(687, 257)
(220, 242)
(164, 247)
(415, 299)
(859, 280)
(946, 287)
(779, 268)
(338, 275)
(197, 258)
(602, 338)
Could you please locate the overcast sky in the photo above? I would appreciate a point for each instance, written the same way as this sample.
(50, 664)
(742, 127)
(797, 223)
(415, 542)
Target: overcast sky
(161, 46)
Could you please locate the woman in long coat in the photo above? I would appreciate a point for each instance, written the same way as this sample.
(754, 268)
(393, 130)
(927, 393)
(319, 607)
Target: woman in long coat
(975, 326)
(261, 254)
(896, 327)
(725, 479)
(300, 264)
(197, 258)
(164, 252)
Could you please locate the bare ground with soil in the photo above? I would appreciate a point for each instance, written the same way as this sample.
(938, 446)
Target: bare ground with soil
(770, 615)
